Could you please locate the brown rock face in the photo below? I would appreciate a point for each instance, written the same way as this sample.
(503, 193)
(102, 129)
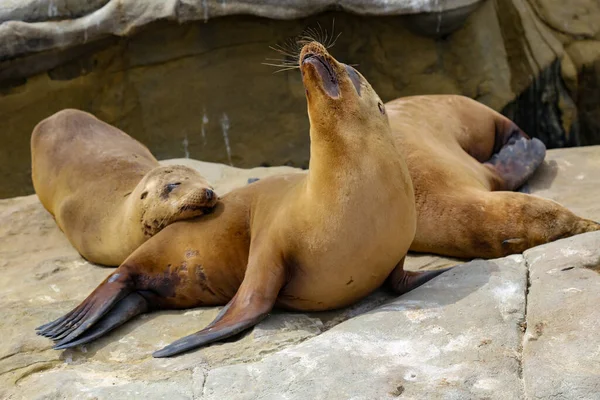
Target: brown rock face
(200, 90)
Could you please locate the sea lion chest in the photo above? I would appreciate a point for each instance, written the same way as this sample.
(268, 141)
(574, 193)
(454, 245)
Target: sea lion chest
(347, 242)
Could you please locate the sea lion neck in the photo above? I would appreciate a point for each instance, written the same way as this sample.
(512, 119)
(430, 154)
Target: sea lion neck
(348, 131)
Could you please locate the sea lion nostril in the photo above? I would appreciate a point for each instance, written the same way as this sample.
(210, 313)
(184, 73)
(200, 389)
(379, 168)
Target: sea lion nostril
(307, 56)
(209, 194)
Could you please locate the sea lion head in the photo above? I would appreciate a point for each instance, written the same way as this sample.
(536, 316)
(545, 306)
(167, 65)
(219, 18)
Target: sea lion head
(339, 97)
(172, 193)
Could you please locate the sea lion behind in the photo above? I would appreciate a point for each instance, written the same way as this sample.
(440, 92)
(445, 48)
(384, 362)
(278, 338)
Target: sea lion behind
(308, 242)
(106, 191)
(465, 159)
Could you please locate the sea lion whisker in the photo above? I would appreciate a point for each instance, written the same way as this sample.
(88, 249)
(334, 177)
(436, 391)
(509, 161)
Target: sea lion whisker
(283, 51)
(292, 66)
(282, 64)
(285, 69)
(279, 59)
(330, 45)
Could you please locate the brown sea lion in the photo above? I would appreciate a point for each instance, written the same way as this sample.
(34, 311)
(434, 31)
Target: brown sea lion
(307, 242)
(465, 159)
(106, 191)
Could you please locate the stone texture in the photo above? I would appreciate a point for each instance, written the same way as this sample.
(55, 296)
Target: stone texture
(80, 22)
(586, 58)
(577, 17)
(458, 337)
(561, 349)
(577, 25)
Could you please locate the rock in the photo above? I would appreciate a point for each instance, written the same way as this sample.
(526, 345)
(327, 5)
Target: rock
(578, 18)
(421, 345)
(199, 89)
(546, 110)
(560, 347)
(586, 57)
(460, 336)
(83, 22)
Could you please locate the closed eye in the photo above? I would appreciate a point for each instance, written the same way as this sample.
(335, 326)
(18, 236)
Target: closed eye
(171, 186)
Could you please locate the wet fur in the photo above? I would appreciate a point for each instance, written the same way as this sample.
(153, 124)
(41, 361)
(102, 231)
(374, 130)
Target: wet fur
(104, 187)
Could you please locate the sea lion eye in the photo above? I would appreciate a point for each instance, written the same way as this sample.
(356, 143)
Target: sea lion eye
(171, 186)
(143, 196)
(381, 108)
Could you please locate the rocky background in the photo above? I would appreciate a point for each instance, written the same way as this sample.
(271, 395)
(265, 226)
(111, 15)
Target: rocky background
(186, 76)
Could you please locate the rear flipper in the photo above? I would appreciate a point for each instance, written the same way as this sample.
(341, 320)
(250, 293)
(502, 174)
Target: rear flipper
(517, 160)
(69, 327)
(252, 303)
(132, 305)
(402, 281)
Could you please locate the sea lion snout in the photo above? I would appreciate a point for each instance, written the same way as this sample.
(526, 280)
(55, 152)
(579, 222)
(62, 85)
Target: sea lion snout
(209, 194)
(315, 58)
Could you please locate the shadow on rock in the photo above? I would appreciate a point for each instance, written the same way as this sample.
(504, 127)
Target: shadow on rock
(542, 178)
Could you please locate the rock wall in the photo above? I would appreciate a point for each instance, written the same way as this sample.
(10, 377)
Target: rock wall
(190, 88)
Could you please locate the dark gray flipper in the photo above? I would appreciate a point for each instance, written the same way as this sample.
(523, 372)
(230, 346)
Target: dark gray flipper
(253, 301)
(517, 161)
(99, 302)
(402, 281)
(132, 305)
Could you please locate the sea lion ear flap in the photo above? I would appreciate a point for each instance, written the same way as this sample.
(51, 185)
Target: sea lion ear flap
(252, 303)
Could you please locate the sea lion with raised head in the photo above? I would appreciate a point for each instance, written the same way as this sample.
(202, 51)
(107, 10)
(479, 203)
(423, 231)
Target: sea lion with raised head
(106, 191)
(465, 159)
(307, 242)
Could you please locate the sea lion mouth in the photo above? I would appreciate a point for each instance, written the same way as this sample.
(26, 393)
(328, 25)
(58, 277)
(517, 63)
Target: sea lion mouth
(193, 207)
(329, 81)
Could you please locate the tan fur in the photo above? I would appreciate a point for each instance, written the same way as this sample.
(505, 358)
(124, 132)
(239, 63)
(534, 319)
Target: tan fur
(309, 242)
(332, 235)
(445, 140)
(91, 177)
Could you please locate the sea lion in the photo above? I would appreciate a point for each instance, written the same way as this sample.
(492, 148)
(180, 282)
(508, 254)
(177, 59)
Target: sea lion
(465, 159)
(306, 242)
(106, 191)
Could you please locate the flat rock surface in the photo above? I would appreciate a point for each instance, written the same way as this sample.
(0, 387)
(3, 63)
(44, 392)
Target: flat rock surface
(520, 327)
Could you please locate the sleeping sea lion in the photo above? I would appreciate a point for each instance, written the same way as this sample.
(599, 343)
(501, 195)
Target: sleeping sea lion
(106, 191)
(464, 160)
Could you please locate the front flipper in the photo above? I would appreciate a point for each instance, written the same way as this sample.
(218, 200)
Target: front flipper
(67, 328)
(251, 304)
(132, 305)
(402, 281)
